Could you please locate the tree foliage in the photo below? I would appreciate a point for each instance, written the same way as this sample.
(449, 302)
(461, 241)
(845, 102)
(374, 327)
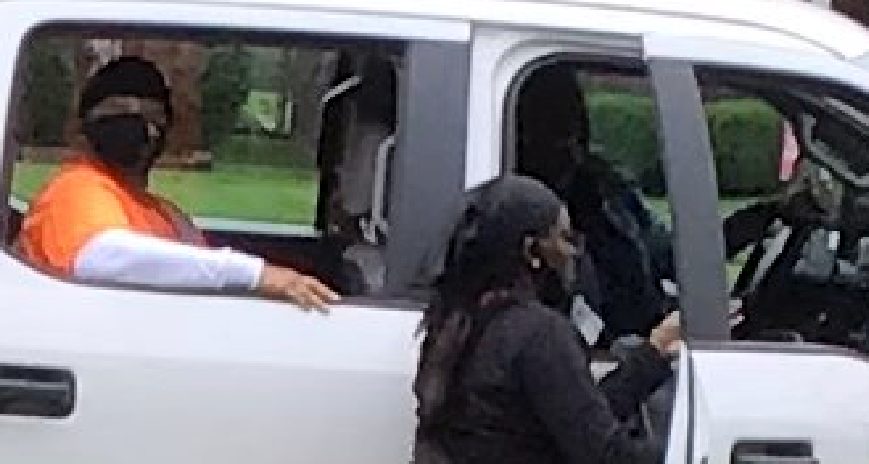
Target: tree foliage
(225, 86)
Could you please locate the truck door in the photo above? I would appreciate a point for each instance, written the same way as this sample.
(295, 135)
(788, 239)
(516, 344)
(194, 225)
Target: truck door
(790, 377)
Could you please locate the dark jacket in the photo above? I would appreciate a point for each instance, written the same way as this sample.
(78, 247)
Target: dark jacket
(630, 249)
(525, 394)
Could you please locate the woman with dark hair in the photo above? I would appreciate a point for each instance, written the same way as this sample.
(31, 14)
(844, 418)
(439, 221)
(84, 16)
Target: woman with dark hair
(503, 378)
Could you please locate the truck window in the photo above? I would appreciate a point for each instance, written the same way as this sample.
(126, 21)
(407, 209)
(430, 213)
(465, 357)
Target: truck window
(588, 129)
(791, 165)
(280, 147)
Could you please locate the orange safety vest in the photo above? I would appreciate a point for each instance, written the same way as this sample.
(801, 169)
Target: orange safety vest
(85, 198)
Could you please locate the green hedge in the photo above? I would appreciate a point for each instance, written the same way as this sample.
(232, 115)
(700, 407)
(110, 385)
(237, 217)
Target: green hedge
(746, 140)
(745, 136)
(623, 126)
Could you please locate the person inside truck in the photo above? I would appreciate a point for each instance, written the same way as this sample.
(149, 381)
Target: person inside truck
(503, 377)
(96, 221)
(628, 249)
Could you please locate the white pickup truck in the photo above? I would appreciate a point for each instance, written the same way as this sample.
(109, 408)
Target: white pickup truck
(100, 375)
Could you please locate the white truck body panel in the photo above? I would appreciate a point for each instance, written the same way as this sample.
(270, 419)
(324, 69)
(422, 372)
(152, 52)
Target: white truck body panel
(188, 378)
(773, 396)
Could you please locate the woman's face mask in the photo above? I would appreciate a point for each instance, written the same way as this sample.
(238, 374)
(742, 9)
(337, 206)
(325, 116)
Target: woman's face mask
(126, 141)
(127, 132)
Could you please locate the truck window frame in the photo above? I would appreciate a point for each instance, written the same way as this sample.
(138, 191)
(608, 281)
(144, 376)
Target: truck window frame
(422, 134)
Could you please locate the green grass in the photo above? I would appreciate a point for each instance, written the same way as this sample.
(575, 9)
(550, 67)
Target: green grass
(27, 178)
(257, 193)
(248, 192)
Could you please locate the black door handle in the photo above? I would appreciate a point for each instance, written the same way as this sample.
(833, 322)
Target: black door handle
(773, 452)
(36, 391)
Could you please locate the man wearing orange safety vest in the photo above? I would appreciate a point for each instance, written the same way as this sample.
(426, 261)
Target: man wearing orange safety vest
(96, 221)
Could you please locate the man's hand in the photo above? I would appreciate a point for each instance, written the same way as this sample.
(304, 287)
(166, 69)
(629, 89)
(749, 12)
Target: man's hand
(286, 284)
(667, 335)
(735, 315)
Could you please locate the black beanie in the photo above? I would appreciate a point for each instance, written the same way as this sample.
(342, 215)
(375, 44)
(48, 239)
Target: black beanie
(125, 76)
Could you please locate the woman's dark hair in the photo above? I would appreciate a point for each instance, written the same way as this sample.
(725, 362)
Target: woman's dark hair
(550, 111)
(485, 256)
(125, 76)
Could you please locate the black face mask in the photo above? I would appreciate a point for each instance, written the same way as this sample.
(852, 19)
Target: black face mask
(123, 141)
(556, 289)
